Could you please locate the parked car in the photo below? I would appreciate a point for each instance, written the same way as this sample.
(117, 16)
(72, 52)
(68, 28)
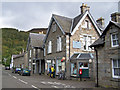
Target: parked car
(25, 72)
(7, 68)
(16, 70)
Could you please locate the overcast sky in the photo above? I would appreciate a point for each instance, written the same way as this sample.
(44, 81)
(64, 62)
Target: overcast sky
(28, 15)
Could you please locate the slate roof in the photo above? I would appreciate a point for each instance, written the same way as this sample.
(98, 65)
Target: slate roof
(82, 56)
(76, 20)
(36, 40)
(100, 41)
(17, 56)
(64, 22)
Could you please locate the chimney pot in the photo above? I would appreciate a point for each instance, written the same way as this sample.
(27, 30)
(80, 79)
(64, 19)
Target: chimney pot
(115, 17)
(100, 22)
(84, 8)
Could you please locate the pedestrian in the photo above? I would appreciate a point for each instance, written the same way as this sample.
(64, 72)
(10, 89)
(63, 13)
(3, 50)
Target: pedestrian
(52, 71)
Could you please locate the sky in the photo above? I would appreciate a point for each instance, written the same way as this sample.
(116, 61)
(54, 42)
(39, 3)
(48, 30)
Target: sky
(27, 15)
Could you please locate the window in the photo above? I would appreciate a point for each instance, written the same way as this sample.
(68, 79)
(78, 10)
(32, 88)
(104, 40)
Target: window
(87, 24)
(73, 69)
(59, 44)
(83, 65)
(87, 42)
(50, 47)
(114, 40)
(54, 27)
(116, 68)
(44, 52)
(30, 53)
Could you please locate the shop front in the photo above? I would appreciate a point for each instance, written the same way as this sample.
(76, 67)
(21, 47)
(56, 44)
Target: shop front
(48, 64)
(60, 65)
(81, 62)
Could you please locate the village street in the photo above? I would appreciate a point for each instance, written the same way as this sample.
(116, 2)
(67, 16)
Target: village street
(11, 80)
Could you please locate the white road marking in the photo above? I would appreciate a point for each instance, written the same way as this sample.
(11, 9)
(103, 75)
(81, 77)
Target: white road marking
(14, 77)
(33, 86)
(55, 86)
(9, 74)
(43, 82)
(22, 81)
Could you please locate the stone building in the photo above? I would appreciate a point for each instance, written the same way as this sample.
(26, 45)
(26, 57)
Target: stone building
(107, 50)
(66, 45)
(17, 60)
(35, 53)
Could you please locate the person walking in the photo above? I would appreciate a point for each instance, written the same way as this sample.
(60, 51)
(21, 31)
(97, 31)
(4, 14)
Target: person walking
(52, 71)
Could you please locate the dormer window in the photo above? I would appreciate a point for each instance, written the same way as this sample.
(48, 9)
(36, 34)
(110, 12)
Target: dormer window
(114, 40)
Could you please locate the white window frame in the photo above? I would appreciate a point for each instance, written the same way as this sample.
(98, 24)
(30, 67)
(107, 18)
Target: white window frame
(49, 47)
(114, 39)
(114, 76)
(30, 53)
(87, 42)
(59, 44)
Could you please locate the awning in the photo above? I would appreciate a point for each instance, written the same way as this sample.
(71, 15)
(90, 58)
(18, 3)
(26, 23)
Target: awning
(82, 56)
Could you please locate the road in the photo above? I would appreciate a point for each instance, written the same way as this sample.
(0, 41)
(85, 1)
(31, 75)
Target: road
(11, 80)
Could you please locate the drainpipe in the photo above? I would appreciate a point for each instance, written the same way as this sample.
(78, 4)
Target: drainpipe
(96, 67)
(69, 53)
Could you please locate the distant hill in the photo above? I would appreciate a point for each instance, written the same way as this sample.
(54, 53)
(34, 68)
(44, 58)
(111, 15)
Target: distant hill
(13, 42)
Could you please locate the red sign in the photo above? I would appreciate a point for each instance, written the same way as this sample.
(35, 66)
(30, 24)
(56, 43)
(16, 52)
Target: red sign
(80, 71)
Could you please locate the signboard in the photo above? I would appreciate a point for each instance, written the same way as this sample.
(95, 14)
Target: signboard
(76, 44)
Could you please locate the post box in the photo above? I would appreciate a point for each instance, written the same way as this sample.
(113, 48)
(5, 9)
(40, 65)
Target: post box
(80, 71)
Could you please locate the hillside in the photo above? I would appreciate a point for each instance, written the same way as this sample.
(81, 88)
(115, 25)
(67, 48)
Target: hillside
(13, 42)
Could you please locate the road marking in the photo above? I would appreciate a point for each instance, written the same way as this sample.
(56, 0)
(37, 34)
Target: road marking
(14, 77)
(43, 82)
(55, 86)
(9, 74)
(33, 86)
(22, 81)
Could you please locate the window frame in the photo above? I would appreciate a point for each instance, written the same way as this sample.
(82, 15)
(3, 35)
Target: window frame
(50, 47)
(114, 39)
(114, 76)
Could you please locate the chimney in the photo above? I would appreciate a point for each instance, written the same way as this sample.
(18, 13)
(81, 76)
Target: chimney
(84, 8)
(100, 22)
(115, 17)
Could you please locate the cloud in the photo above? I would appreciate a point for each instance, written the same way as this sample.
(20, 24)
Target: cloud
(28, 15)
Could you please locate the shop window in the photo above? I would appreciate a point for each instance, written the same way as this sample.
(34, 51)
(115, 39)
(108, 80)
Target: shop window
(73, 69)
(83, 65)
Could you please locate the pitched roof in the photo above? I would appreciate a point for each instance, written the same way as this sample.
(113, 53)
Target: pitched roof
(17, 56)
(64, 22)
(100, 41)
(36, 30)
(110, 23)
(76, 20)
(36, 40)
